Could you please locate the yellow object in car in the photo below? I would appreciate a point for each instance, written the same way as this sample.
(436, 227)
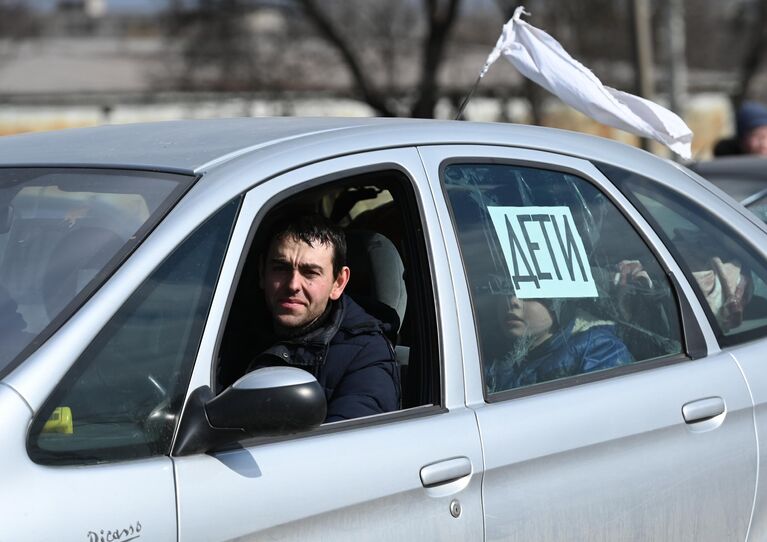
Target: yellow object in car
(60, 421)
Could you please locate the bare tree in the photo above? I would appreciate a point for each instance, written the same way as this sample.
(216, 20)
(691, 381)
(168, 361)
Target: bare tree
(438, 18)
(221, 48)
(329, 47)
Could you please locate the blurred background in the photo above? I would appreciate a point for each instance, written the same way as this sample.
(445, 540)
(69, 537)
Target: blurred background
(68, 63)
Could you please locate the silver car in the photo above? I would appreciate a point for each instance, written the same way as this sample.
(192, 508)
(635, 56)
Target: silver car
(581, 338)
(744, 177)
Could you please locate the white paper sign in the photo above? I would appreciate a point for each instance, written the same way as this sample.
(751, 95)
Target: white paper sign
(544, 252)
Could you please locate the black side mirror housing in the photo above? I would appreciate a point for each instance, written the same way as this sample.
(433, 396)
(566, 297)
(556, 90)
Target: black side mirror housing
(271, 401)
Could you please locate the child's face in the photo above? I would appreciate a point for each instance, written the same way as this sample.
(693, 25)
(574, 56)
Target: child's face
(524, 317)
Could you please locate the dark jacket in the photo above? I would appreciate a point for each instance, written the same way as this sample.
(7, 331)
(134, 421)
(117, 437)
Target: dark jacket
(350, 357)
(566, 353)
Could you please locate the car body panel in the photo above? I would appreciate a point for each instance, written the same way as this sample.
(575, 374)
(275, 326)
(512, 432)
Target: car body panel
(617, 454)
(199, 146)
(338, 486)
(751, 360)
(172, 146)
(79, 502)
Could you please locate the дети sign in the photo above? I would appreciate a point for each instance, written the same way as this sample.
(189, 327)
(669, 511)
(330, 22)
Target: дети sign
(544, 252)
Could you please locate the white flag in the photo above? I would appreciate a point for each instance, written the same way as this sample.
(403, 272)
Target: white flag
(541, 58)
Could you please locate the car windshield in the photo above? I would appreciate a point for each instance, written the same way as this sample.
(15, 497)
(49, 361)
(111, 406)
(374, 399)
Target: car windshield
(61, 233)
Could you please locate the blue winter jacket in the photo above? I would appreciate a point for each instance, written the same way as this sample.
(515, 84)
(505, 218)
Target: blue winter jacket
(351, 358)
(564, 354)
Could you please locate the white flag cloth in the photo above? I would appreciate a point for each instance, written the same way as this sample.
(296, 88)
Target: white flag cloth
(541, 58)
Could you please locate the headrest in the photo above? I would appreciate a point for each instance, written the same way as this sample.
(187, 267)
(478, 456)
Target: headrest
(377, 275)
(75, 260)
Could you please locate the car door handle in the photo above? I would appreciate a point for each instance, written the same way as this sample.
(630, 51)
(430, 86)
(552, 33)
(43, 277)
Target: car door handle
(445, 471)
(702, 409)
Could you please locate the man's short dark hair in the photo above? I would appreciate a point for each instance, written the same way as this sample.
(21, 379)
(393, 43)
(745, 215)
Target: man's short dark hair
(310, 229)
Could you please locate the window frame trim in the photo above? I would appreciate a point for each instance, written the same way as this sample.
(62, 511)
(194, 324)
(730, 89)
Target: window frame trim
(256, 206)
(578, 167)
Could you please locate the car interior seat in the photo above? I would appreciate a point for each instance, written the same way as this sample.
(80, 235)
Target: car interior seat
(75, 260)
(377, 283)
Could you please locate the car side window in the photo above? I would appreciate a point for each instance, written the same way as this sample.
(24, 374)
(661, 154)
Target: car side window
(729, 278)
(386, 254)
(121, 398)
(561, 284)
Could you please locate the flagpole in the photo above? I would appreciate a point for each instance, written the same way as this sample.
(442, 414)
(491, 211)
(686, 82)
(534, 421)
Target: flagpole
(468, 97)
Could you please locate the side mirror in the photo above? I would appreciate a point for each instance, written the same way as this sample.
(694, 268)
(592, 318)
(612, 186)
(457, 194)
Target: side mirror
(267, 402)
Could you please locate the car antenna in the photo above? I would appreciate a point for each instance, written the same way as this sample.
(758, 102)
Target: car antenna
(468, 96)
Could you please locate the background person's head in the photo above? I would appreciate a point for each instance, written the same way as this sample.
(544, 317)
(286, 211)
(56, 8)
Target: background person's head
(751, 122)
(304, 268)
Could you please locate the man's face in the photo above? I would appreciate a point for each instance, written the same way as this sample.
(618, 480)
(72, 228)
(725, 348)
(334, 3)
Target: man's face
(755, 141)
(298, 281)
(524, 317)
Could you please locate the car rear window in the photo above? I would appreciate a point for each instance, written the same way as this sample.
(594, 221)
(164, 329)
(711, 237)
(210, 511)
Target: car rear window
(62, 232)
(727, 274)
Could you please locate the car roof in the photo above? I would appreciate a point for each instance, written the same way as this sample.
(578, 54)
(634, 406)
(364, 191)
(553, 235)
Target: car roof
(192, 146)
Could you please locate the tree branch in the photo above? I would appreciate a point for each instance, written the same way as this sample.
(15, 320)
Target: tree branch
(361, 81)
(440, 19)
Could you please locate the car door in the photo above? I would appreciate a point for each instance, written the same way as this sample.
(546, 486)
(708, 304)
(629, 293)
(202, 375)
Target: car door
(649, 435)
(736, 260)
(413, 474)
